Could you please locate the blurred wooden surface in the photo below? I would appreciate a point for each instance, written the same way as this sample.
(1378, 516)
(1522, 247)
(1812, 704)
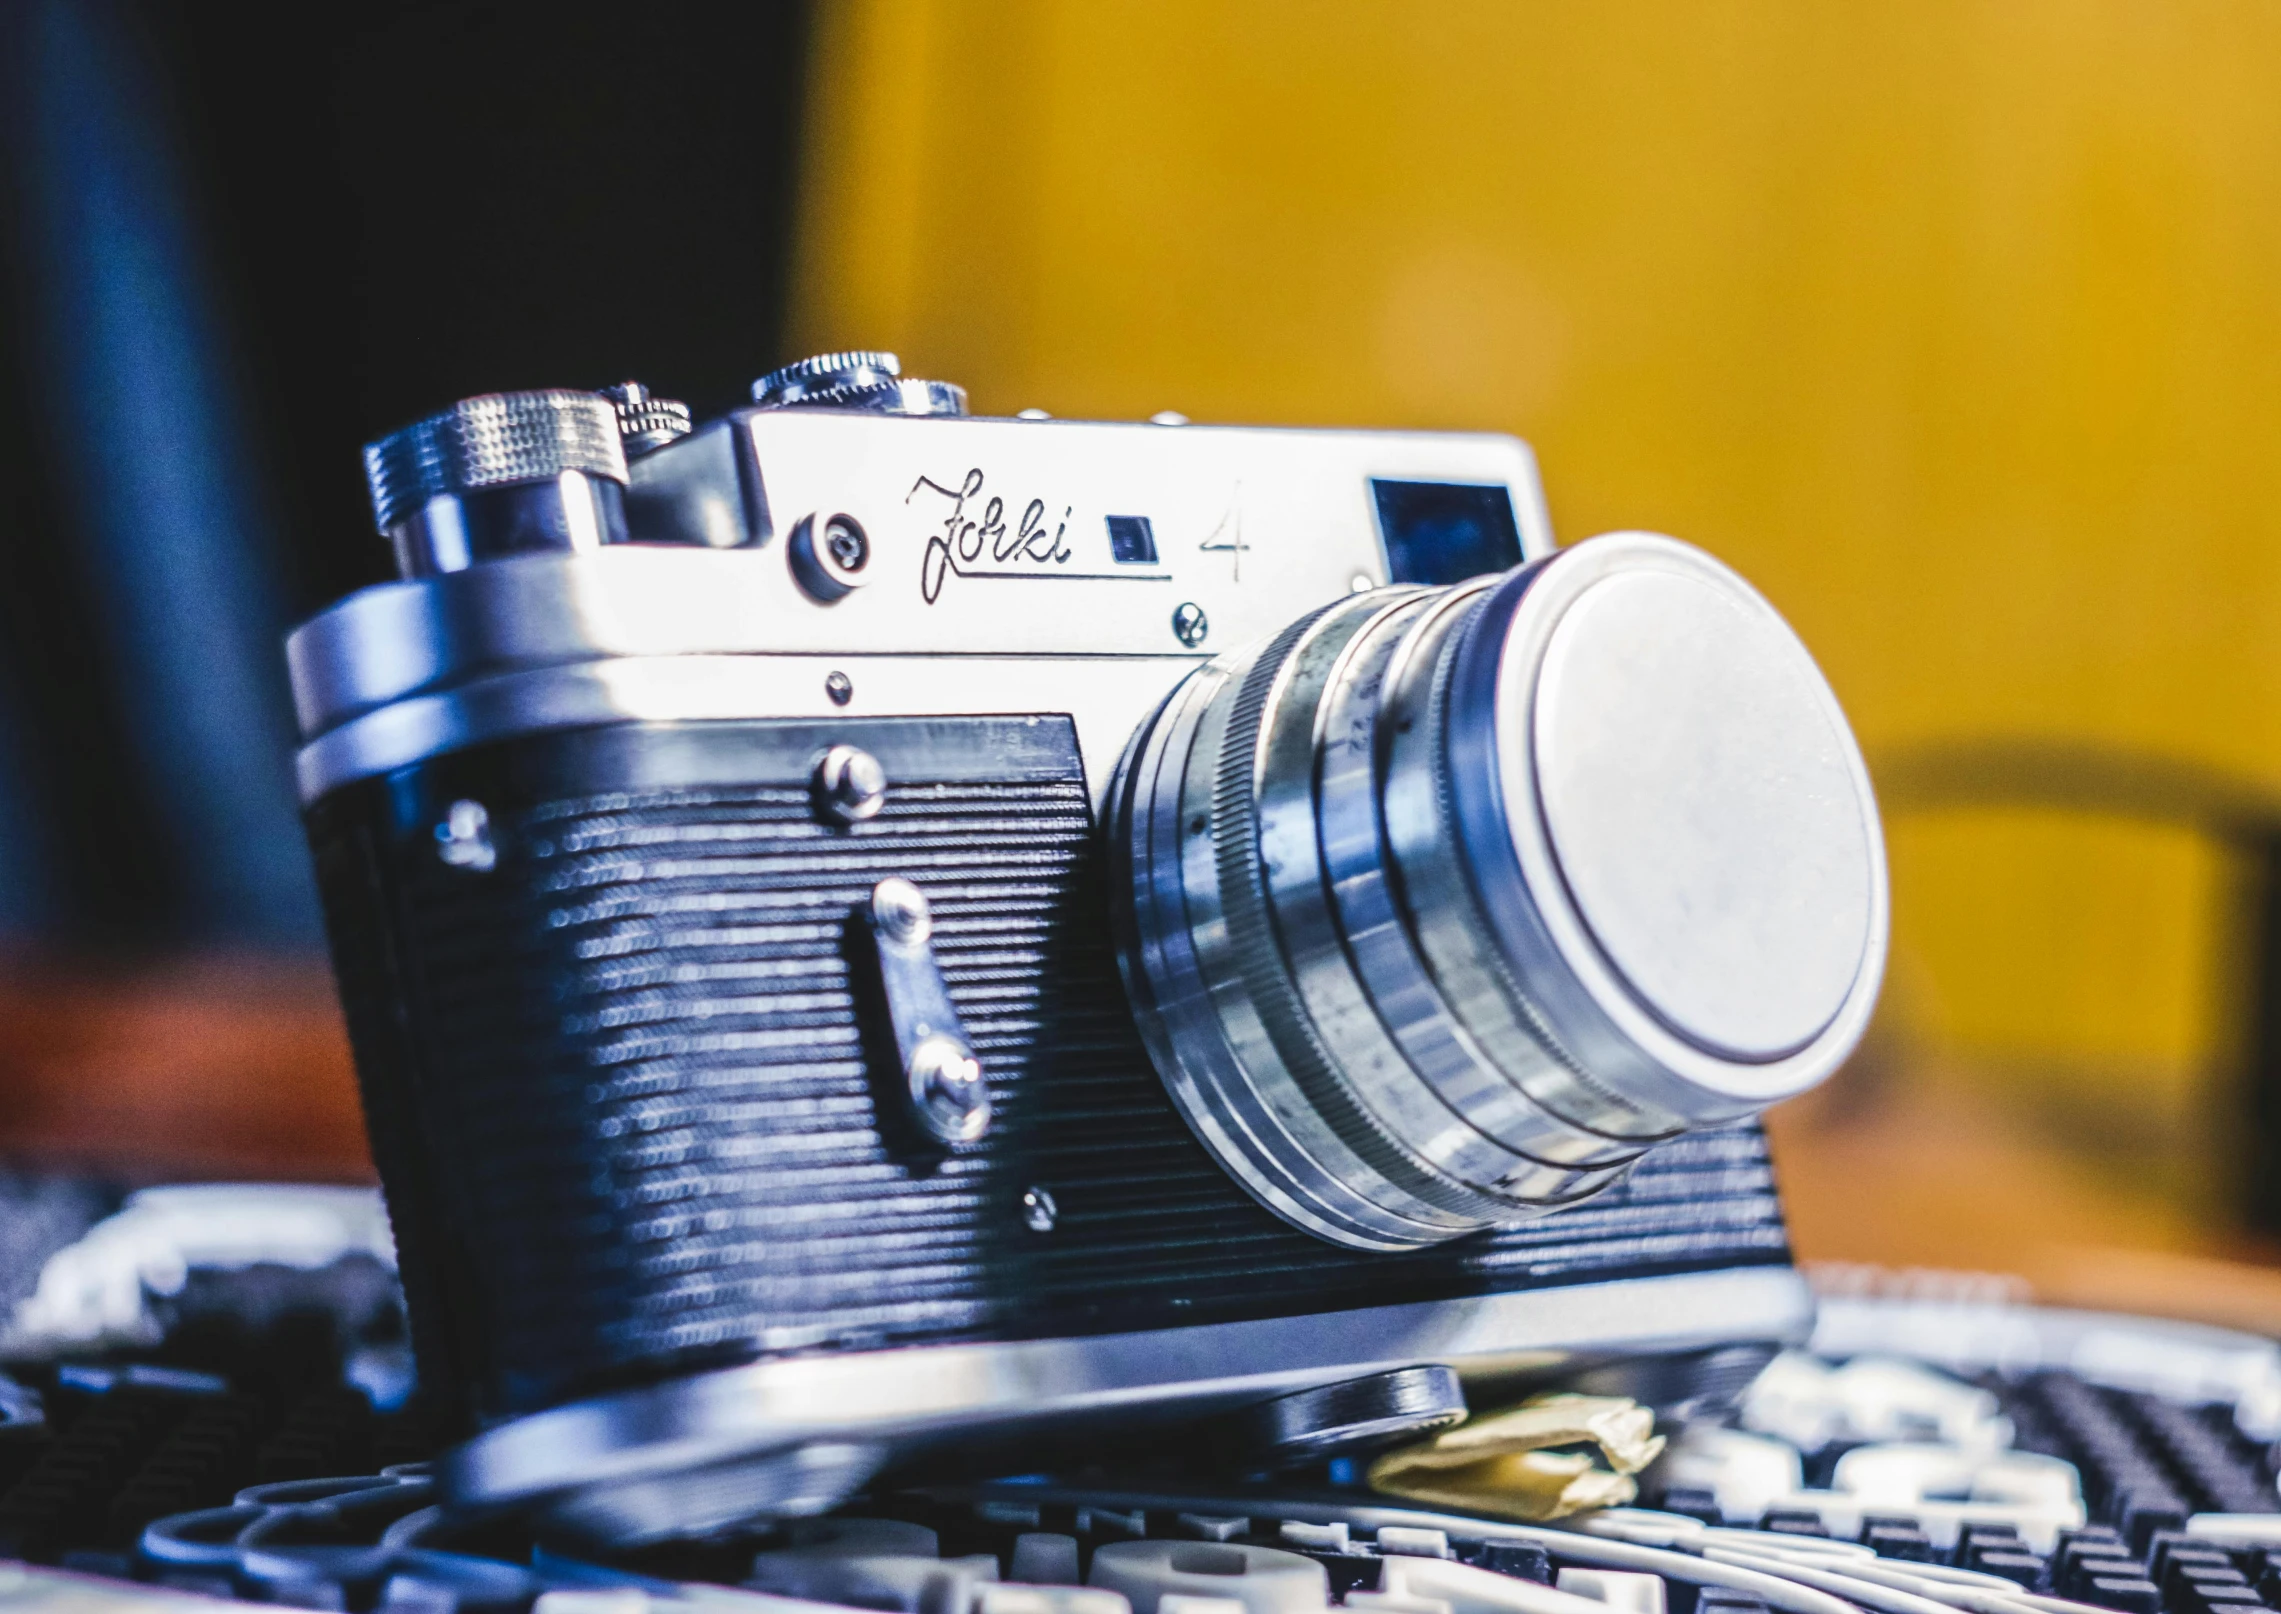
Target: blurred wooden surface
(205, 1068)
(1950, 324)
(1920, 1170)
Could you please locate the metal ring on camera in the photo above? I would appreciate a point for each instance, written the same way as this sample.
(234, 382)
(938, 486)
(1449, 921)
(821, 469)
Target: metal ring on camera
(1444, 1115)
(1288, 1158)
(1395, 977)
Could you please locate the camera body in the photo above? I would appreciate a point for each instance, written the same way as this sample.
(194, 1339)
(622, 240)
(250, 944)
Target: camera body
(729, 855)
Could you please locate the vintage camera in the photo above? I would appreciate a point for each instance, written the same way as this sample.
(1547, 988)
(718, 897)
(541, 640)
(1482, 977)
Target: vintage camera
(869, 932)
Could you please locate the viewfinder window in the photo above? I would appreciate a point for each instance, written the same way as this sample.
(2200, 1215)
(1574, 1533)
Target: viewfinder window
(1445, 532)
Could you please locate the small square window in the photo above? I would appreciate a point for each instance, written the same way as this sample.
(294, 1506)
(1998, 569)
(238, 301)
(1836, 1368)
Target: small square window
(1132, 542)
(1445, 532)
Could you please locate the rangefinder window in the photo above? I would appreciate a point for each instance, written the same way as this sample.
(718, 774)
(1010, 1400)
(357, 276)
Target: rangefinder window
(1445, 532)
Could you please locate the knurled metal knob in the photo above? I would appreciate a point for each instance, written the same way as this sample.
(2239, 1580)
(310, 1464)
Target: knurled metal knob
(501, 439)
(869, 381)
(646, 421)
(802, 380)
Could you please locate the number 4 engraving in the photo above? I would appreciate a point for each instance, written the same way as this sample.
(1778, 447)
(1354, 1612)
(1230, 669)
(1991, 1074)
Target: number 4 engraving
(1227, 537)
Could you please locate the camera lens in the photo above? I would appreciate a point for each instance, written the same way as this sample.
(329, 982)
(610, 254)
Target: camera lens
(1444, 906)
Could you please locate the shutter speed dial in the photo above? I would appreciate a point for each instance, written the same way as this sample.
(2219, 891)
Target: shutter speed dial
(860, 379)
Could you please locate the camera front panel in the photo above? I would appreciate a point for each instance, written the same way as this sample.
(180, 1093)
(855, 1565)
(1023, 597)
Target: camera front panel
(626, 1064)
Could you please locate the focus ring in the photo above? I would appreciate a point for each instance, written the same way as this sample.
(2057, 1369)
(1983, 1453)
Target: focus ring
(1469, 1130)
(1561, 1161)
(1259, 959)
(1478, 980)
(1187, 994)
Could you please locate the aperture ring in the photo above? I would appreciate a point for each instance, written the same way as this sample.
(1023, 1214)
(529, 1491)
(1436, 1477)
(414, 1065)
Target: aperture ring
(1387, 966)
(1172, 1007)
(1437, 884)
(1172, 949)
(1292, 1052)
(1370, 1079)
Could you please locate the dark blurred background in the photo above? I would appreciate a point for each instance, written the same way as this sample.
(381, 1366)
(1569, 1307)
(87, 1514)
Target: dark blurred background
(242, 240)
(236, 243)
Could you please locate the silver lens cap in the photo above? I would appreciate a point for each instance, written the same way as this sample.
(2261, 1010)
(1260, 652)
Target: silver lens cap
(1684, 809)
(1700, 799)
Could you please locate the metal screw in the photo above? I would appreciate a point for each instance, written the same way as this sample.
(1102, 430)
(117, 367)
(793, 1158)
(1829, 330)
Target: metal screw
(827, 555)
(850, 784)
(1189, 625)
(848, 546)
(946, 1083)
(463, 839)
(840, 687)
(900, 909)
(1039, 1212)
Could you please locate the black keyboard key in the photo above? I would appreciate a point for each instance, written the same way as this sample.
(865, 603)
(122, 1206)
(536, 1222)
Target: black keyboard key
(2178, 1574)
(1693, 1502)
(2131, 1596)
(2197, 1597)
(1999, 1537)
(1794, 1522)
(2080, 1565)
(2021, 1568)
(1523, 1560)
(1727, 1600)
(2183, 1550)
(1898, 1541)
(2147, 1512)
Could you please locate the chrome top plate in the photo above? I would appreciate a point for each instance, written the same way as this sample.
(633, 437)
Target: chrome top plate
(988, 538)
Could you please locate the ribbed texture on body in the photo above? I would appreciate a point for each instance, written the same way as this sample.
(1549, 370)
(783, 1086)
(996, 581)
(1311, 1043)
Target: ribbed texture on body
(632, 1122)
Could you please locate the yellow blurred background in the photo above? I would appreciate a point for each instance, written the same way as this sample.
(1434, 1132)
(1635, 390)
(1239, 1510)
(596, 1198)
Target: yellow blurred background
(1956, 326)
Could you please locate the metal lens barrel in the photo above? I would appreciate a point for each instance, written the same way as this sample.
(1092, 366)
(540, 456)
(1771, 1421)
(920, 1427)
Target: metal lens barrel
(1443, 907)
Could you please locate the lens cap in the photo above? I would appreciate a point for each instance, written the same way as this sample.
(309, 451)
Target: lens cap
(1672, 825)
(1704, 806)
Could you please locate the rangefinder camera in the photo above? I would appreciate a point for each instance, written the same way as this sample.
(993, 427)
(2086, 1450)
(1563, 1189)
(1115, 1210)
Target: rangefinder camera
(874, 936)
